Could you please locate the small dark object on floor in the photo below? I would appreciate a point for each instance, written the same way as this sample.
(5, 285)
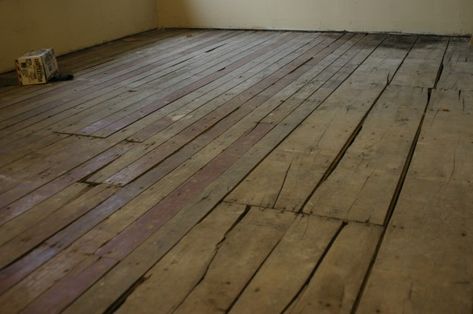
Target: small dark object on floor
(62, 77)
(8, 79)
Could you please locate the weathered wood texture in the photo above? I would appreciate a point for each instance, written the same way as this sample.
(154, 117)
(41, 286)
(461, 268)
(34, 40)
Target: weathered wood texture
(200, 171)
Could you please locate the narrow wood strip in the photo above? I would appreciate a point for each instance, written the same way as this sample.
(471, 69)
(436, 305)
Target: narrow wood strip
(45, 228)
(28, 220)
(23, 204)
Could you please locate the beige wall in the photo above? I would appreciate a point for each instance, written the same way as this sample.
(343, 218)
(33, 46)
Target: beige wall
(409, 16)
(75, 24)
(70, 24)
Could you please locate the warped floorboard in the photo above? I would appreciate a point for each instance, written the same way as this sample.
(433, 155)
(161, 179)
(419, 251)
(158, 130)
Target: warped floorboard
(202, 171)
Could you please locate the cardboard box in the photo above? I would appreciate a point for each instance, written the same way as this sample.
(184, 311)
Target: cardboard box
(36, 67)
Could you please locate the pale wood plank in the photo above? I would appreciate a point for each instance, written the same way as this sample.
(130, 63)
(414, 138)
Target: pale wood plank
(337, 280)
(424, 264)
(56, 221)
(37, 213)
(242, 252)
(458, 70)
(423, 64)
(304, 159)
(168, 283)
(363, 183)
(288, 267)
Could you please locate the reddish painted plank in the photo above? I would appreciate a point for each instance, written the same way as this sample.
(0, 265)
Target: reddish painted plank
(16, 205)
(65, 291)
(18, 270)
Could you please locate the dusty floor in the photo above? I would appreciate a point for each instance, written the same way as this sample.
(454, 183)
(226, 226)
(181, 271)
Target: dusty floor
(246, 172)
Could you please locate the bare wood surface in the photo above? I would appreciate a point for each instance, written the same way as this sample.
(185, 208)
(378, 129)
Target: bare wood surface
(201, 171)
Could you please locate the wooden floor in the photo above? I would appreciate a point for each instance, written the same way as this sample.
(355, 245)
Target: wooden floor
(242, 171)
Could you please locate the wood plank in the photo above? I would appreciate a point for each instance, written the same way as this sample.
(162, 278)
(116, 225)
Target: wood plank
(243, 251)
(17, 201)
(28, 146)
(363, 184)
(424, 263)
(458, 70)
(383, 62)
(31, 217)
(337, 280)
(287, 268)
(47, 227)
(169, 282)
(305, 159)
(423, 64)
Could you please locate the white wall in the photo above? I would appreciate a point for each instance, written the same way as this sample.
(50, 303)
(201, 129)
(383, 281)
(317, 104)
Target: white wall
(408, 16)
